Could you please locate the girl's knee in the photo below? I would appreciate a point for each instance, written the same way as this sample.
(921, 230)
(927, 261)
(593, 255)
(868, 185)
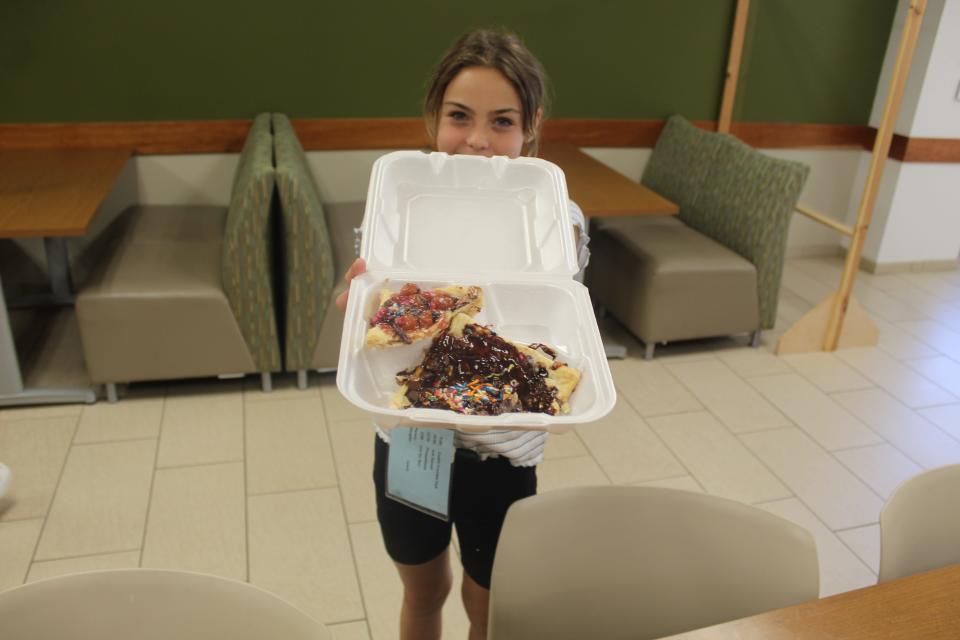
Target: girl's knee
(427, 598)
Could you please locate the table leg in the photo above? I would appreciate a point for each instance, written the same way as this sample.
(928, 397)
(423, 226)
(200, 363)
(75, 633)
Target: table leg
(58, 272)
(12, 392)
(58, 267)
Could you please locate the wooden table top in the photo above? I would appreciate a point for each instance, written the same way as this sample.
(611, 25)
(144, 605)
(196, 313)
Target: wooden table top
(925, 605)
(55, 192)
(598, 189)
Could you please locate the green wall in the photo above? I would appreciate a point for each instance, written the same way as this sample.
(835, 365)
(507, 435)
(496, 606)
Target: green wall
(106, 60)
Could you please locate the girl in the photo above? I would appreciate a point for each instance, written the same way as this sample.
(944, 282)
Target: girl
(487, 98)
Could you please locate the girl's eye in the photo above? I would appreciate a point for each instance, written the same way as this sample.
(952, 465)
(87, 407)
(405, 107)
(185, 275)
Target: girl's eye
(458, 116)
(503, 122)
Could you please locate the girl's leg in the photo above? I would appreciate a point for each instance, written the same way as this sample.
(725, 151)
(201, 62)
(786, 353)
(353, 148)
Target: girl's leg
(425, 589)
(476, 600)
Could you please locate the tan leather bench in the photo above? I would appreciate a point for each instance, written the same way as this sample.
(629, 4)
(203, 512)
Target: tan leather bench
(713, 270)
(188, 291)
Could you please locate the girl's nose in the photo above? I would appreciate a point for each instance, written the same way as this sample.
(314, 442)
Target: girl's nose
(477, 139)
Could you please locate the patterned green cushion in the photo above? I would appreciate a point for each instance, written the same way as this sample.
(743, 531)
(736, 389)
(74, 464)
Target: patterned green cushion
(745, 203)
(308, 255)
(680, 161)
(246, 256)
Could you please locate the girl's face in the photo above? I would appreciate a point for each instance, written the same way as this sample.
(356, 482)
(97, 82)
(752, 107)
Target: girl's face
(481, 115)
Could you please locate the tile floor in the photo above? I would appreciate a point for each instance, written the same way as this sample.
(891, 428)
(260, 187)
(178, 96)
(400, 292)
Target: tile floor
(275, 488)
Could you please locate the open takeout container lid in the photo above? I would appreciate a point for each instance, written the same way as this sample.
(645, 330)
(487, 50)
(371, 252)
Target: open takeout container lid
(502, 224)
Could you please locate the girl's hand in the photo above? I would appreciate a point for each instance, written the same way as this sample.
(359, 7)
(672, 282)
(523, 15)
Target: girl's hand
(358, 267)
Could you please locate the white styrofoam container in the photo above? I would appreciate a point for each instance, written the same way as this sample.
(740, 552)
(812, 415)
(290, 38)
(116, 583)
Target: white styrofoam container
(501, 224)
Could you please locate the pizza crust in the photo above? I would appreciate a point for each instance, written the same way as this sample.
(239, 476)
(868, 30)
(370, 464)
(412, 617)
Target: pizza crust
(469, 301)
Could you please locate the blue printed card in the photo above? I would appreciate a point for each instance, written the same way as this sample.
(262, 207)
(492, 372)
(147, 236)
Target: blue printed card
(419, 469)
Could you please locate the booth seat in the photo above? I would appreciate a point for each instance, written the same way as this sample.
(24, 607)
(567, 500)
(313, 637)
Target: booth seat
(318, 248)
(188, 291)
(713, 270)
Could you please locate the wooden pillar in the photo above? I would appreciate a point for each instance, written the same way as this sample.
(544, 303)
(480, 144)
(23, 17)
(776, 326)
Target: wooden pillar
(733, 66)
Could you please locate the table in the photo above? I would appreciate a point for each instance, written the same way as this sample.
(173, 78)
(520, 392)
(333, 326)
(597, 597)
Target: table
(599, 190)
(52, 194)
(925, 605)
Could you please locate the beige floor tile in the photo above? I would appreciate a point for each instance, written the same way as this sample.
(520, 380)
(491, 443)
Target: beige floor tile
(947, 417)
(728, 397)
(815, 412)
(284, 388)
(287, 446)
(350, 631)
(564, 445)
(651, 388)
(101, 501)
(937, 335)
(838, 497)
(132, 418)
(627, 449)
(334, 404)
(804, 285)
(569, 472)
(881, 466)
(944, 284)
(942, 371)
(17, 542)
(749, 362)
(53, 568)
(203, 426)
(828, 372)
(300, 550)
(881, 304)
(897, 379)
(353, 443)
(197, 521)
(865, 542)
(840, 569)
(383, 591)
(40, 413)
(719, 462)
(900, 344)
(685, 483)
(907, 430)
(35, 451)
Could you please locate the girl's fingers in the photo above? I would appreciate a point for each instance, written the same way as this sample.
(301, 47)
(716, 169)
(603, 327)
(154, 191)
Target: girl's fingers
(358, 267)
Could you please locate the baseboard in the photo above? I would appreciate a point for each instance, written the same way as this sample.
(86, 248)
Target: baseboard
(872, 266)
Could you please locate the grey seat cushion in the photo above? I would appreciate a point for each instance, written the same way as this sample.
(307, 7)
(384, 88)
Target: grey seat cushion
(155, 309)
(665, 281)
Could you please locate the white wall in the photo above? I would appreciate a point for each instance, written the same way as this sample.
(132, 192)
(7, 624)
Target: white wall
(916, 218)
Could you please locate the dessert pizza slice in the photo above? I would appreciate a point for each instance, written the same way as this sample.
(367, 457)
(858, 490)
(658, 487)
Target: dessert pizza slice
(413, 314)
(470, 369)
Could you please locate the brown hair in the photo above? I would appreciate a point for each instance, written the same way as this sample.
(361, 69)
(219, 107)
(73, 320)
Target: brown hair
(498, 50)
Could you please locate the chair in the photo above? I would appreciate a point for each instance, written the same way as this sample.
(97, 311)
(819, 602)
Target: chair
(714, 269)
(187, 291)
(642, 562)
(920, 524)
(149, 604)
(318, 242)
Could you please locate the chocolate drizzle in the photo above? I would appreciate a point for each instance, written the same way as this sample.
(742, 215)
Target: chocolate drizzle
(479, 373)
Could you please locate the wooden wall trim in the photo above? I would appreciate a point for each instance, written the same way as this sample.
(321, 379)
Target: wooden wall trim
(907, 149)
(187, 136)
(327, 134)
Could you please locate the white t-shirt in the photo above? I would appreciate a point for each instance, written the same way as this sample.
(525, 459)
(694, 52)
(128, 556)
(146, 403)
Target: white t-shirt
(521, 448)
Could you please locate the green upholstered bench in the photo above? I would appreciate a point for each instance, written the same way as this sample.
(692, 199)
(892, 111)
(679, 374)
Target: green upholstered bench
(318, 247)
(713, 270)
(188, 291)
